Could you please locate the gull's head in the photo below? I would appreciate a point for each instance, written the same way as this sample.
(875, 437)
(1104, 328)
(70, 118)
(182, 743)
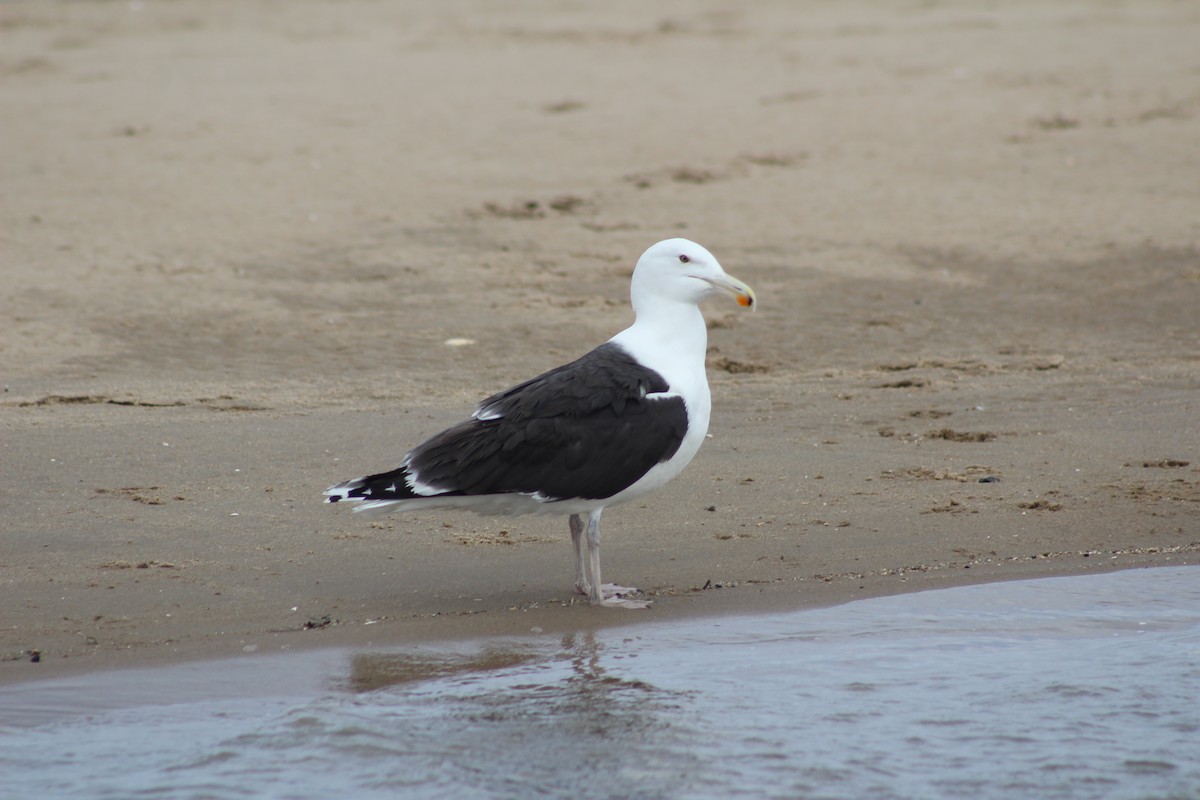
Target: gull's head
(682, 271)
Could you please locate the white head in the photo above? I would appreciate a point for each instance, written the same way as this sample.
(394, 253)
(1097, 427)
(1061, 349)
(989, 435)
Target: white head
(681, 271)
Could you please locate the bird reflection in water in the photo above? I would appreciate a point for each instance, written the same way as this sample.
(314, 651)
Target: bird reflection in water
(568, 684)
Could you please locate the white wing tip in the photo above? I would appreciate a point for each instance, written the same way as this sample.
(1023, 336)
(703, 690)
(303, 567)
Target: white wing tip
(341, 491)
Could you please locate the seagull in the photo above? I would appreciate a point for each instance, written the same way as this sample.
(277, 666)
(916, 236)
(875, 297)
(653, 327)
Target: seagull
(607, 428)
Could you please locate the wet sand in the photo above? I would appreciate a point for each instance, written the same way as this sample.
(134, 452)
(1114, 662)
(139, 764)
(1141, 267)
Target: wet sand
(236, 241)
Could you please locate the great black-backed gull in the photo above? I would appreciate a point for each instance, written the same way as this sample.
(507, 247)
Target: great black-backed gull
(604, 429)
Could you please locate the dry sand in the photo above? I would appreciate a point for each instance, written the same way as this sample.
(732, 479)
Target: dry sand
(237, 235)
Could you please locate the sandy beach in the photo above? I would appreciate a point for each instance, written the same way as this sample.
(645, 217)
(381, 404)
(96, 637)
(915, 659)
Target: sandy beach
(236, 239)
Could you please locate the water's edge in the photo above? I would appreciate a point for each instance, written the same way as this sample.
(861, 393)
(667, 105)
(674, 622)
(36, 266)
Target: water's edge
(1061, 687)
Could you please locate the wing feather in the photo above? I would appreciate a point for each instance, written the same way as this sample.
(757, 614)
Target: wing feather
(587, 429)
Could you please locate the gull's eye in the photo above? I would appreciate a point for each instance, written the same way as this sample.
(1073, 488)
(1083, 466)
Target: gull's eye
(683, 259)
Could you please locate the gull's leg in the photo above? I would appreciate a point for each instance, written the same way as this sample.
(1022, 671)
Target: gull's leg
(604, 594)
(581, 576)
(591, 564)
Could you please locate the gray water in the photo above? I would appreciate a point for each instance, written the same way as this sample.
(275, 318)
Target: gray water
(1083, 687)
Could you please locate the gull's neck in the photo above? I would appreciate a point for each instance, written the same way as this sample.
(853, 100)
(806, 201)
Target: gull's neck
(666, 336)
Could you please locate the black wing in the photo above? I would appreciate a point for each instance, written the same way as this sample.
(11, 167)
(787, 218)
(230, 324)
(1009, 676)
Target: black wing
(607, 376)
(588, 429)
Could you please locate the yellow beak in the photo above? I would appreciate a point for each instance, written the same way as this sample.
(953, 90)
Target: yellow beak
(738, 290)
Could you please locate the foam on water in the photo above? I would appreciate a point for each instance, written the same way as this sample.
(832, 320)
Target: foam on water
(1057, 688)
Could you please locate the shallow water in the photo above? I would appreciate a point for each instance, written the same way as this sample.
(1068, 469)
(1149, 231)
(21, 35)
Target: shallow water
(1059, 688)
